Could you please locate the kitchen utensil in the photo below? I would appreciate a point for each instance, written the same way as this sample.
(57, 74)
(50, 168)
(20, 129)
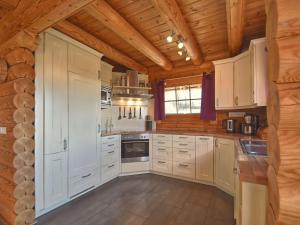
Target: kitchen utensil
(134, 116)
(248, 129)
(140, 116)
(124, 112)
(229, 125)
(120, 114)
(130, 114)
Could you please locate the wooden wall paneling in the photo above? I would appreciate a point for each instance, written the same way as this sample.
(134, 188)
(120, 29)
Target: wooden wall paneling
(9, 4)
(283, 103)
(3, 70)
(103, 12)
(90, 40)
(172, 13)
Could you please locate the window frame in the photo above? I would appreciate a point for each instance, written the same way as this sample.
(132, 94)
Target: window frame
(190, 99)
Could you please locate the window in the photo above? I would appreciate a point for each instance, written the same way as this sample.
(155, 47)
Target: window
(183, 99)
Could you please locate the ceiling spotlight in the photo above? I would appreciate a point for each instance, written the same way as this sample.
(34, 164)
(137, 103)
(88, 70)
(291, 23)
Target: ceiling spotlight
(180, 44)
(187, 58)
(180, 53)
(170, 37)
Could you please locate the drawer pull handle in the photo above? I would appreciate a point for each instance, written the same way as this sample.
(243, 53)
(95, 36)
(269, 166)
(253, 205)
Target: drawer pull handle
(182, 151)
(111, 166)
(110, 138)
(85, 176)
(203, 139)
(183, 165)
(161, 149)
(235, 170)
(183, 144)
(161, 162)
(160, 142)
(110, 145)
(111, 152)
(182, 137)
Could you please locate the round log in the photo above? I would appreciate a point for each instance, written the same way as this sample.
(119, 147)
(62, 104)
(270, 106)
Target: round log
(23, 115)
(25, 203)
(26, 173)
(23, 159)
(26, 217)
(22, 100)
(22, 85)
(3, 70)
(23, 145)
(24, 189)
(20, 55)
(23, 130)
(20, 70)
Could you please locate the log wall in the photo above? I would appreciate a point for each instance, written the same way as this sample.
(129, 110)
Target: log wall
(17, 145)
(283, 37)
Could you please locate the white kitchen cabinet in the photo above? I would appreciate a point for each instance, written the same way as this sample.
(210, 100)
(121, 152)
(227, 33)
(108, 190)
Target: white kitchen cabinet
(55, 94)
(243, 81)
(205, 159)
(110, 157)
(83, 130)
(106, 73)
(83, 62)
(56, 179)
(224, 164)
(224, 84)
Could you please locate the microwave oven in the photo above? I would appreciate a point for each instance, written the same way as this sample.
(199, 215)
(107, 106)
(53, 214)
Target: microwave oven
(106, 97)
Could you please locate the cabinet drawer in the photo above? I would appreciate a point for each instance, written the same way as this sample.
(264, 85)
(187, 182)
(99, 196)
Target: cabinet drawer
(164, 153)
(110, 156)
(184, 138)
(163, 166)
(113, 138)
(108, 146)
(110, 171)
(203, 138)
(162, 137)
(184, 145)
(83, 182)
(183, 169)
(185, 155)
(162, 143)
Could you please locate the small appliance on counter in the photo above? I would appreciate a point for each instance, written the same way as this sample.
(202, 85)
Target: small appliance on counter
(148, 123)
(229, 125)
(251, 124)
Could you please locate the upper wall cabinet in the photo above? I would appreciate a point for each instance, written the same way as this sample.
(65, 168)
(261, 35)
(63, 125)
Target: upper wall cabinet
(106, 74)
(83, 62)
(241, 82)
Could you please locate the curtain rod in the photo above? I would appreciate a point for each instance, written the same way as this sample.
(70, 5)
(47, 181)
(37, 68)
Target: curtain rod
(176, 78)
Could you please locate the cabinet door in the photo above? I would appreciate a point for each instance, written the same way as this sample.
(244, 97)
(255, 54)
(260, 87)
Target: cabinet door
(56, 94)
(56, 179)
(83, 117)
(224, 165)
(205, 159)
(83, 62)
(243, 82)
(224, 85)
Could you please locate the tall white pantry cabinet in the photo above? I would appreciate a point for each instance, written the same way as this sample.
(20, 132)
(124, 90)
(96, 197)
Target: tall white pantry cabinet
(67, 120)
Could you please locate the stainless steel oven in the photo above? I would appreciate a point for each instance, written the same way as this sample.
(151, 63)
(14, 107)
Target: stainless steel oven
(135, 148)
(105, 97)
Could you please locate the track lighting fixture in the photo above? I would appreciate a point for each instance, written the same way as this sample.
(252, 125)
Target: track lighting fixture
(170, 37)
(180, 44)
(180, 52)
(187, 58)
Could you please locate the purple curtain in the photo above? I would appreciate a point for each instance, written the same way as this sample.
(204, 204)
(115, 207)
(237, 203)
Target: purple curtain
(208, 111)
(159, 100)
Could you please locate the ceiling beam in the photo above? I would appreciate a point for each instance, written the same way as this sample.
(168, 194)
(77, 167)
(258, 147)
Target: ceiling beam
(9, 4)
(171, 12)
(95, 43)
(36, 16)
(235, 10)
(157, 73)
(110, 18)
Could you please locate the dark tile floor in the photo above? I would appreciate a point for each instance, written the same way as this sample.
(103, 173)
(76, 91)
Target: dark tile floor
(146, 200)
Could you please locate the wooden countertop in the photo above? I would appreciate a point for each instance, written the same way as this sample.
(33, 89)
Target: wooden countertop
(252, 169)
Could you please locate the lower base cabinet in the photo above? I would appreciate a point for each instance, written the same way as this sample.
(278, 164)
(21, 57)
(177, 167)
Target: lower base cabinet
(184, 169)
(162, 166)
(56, 179)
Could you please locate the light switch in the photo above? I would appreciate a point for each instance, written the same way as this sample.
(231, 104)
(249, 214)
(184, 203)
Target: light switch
(3, 130)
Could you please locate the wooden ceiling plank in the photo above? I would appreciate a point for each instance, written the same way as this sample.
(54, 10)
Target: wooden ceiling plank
(170, 10)
(95, 43)
(36, 16)
(103, 12)
(9, 4)
(235, 10)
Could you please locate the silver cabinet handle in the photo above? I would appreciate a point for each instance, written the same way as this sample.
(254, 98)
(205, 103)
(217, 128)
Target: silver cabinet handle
(182, 137)
(161, 149)
(65, 144)
(111, 145)
(217, 102)
(111, 152)
(109, 138)
(203, 139)
(235, 170)
(182, 151)
(112, 165)
(160, 142)
(236, 100)
(183, 165)
(183, 144)
(161, 162)
(85, 176)
(99, 128)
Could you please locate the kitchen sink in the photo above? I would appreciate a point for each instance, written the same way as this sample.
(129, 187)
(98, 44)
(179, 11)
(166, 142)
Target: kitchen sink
(254, 147)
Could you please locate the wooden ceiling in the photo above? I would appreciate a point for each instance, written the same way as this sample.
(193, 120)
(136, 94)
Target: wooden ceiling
(206, 20)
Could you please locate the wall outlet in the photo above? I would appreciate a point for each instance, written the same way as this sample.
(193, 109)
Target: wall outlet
(3, 130)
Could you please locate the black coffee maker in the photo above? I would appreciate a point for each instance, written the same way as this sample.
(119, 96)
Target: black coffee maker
(251, 124)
